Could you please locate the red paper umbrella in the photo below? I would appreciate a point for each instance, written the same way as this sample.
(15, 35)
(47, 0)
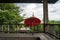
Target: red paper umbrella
(32, 21)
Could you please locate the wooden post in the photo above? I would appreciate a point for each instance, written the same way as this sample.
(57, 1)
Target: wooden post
(2, 29)
(45, 14)
(59, 32)
(8, 29)
(51, 31)
(17, 27)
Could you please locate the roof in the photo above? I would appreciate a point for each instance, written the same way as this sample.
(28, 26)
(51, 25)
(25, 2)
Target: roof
(52, 1)
(27, 1)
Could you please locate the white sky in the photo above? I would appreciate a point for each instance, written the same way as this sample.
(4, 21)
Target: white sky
(37, 8)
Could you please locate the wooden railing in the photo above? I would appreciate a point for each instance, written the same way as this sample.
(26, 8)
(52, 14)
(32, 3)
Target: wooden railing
(52, 29)
(10, 28)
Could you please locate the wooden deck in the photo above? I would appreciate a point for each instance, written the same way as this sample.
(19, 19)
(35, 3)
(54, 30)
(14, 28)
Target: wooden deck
(42, 36)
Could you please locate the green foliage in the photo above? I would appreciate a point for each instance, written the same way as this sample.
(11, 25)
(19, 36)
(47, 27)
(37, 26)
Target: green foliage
(38, 28)
(9, 14)
(54, 22)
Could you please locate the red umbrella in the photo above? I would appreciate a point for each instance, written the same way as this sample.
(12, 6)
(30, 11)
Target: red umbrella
(32, 21)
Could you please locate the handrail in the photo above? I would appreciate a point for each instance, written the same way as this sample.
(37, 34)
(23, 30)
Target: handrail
(53, 25)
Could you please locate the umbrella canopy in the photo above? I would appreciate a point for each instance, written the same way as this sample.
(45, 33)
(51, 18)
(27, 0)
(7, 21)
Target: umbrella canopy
(32, 21)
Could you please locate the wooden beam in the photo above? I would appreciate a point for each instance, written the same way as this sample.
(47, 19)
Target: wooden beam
(27, 1)
(45, 11)
(45, 14)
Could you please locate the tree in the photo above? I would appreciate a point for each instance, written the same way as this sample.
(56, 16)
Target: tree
(9, 13)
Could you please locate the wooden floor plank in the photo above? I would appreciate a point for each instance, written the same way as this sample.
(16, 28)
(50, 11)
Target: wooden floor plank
(42, 36)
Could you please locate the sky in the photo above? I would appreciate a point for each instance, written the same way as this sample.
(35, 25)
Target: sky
(37, 9)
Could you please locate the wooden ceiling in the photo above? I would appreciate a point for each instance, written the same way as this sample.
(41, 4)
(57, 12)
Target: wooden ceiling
(26, 1)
